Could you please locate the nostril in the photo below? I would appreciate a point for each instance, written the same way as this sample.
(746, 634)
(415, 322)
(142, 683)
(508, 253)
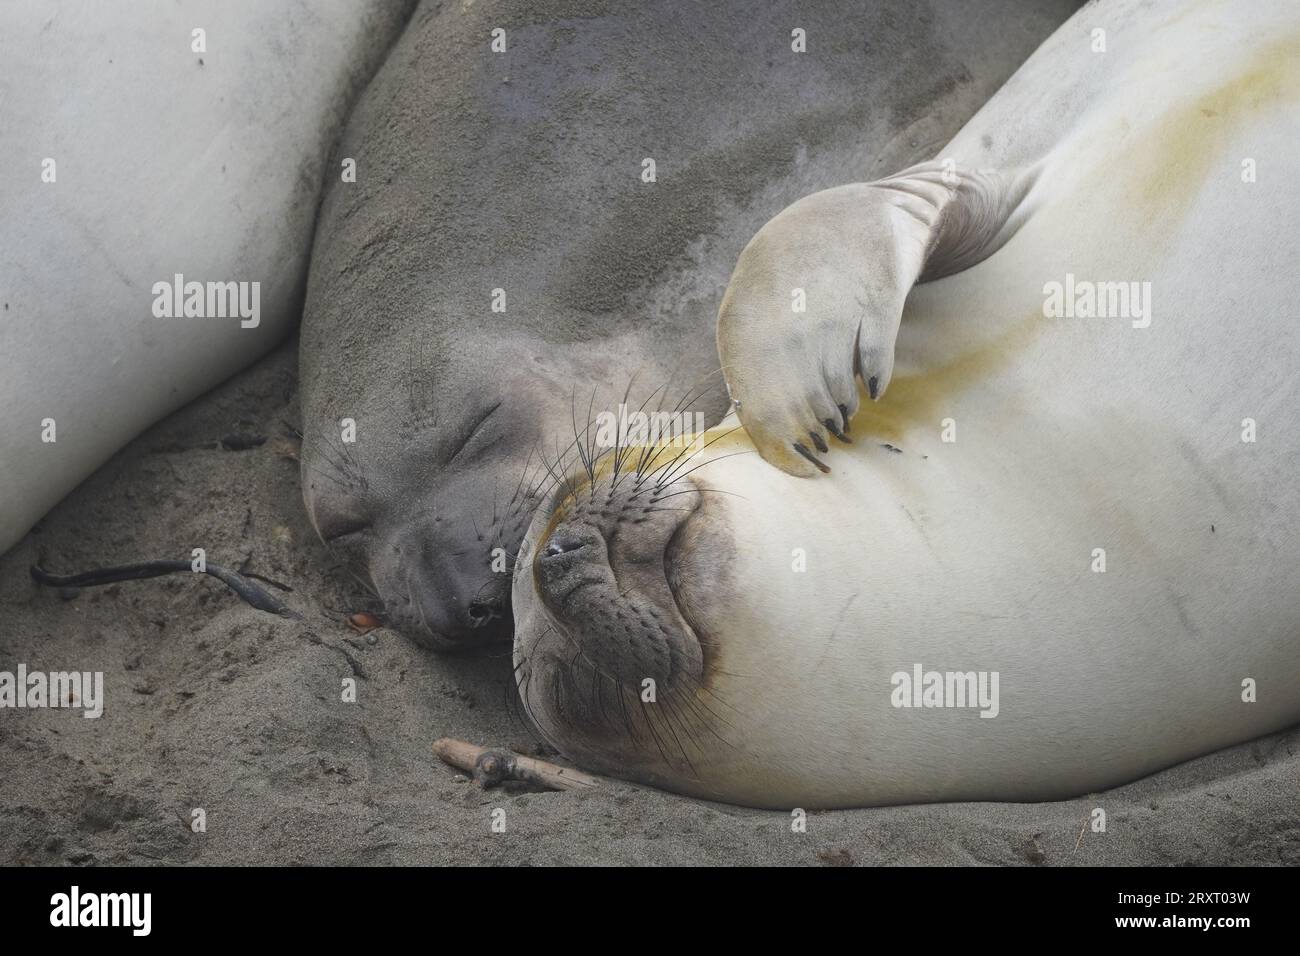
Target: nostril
(481, 611)
(561, 545)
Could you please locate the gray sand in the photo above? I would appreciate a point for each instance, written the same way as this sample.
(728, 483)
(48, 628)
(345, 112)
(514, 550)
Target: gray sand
(212, 704)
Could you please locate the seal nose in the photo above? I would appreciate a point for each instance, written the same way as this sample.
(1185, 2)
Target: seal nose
(483, 612)
(573, 556)
(562, 544)
(615, 535)
(443, 596)
(601, 571)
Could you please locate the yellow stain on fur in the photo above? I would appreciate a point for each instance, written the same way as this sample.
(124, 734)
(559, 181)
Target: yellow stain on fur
(921, 399)
(924, 398)
(1168, 165)
(1160, 171)
(1172, 160)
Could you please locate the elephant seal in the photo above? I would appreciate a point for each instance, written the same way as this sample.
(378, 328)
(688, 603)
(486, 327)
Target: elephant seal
(152, 150)
(1060, 551)
(547, 200)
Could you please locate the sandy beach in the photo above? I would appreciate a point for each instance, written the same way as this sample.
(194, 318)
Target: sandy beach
(212, 705)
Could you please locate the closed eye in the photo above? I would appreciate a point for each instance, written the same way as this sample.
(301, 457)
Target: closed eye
(336, 525)
(336, 536)
(474, 430)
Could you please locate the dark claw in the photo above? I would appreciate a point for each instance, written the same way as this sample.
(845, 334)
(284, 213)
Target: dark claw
(873, 387)
(835, 430)
(844, 414)
(819, 443)
(821, 466)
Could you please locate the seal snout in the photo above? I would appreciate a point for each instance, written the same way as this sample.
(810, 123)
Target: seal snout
(445, 597)
(602, 570)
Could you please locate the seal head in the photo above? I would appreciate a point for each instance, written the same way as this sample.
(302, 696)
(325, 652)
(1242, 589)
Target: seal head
(610, 594)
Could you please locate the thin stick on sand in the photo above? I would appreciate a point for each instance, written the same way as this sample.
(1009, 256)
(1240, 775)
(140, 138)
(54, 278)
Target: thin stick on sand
(491, 767)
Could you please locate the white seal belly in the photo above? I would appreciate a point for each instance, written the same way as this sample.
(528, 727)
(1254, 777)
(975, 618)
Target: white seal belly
(1075, 440)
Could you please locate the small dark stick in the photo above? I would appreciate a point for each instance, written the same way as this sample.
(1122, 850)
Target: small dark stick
(249, 592)
(493, 767)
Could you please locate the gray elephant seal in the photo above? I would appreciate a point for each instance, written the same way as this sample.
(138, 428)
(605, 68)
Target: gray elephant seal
(524, 171)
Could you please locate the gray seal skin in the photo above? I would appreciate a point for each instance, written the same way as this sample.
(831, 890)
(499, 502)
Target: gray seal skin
(522, 171)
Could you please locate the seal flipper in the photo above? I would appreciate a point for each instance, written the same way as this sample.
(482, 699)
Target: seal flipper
(817, 295)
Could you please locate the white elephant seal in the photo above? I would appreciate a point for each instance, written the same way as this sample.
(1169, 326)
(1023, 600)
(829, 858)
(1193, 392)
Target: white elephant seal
(1061, 550)
(549, 198)
(162, 165)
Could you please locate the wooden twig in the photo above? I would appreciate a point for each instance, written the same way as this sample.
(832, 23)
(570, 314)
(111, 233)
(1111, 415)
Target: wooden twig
(491, 767)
